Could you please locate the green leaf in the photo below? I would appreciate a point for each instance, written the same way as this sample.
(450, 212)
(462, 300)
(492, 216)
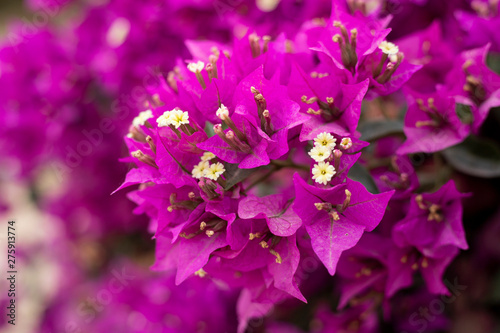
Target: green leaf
(464, 113)
(374, 130)
(494, 294)
(209, 129)
(493, 62)
(360, 174)
(475, 156)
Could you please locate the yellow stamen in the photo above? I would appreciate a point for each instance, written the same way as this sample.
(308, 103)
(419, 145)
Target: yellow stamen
(278, 257)
(201, 273)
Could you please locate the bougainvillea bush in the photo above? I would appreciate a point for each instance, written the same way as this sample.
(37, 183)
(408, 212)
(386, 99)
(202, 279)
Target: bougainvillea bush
(304, 166)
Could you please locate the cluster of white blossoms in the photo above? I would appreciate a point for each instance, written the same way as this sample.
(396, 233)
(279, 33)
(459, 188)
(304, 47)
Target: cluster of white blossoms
(323, 171)
(323, 153)
(142, 118)
(207, 170)
(175, 117)
(324, 143)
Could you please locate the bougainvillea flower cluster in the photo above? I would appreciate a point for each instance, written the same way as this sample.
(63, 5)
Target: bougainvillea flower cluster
(243, 163)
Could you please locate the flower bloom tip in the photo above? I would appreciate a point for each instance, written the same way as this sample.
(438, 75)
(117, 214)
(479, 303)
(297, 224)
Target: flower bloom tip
(174, 117)
(346, 143)
(388, 48)
(323, 172)
(142, 118)
(196, 67)
(325, 139)
(320, 153)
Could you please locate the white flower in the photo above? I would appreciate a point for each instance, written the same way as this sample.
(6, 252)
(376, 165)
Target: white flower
(222, 112)
(267, 5)
(142, 118)
(178, 118)
(325, 139)
(174, 117)
(346, 143)
(196, 67)
(200, 169)
(164, 119)
(207, 156)
(323, 172)
(214, 171)
(320, 153)
(388, 48)
(118, 32)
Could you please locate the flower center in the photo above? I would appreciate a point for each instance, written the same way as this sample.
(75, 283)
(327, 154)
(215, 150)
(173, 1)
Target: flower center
(435, 211)
(255, 47)
(347, 45)
(415, 259)
(267, 241)
(190, 204)
(389, 51)
(333, 211)
(437, 119)
(327, 109)
(210, 228)
(473, 85)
